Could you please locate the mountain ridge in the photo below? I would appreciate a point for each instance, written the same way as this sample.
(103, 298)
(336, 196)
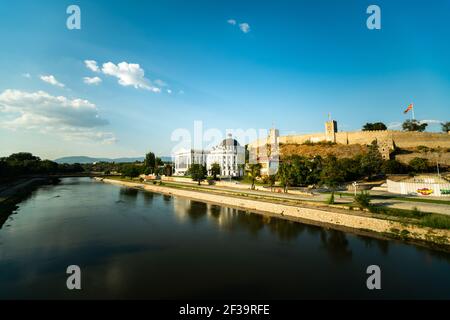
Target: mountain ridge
(86, 159)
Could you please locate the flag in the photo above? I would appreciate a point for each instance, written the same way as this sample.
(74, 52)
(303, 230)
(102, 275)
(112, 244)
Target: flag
(410, 107)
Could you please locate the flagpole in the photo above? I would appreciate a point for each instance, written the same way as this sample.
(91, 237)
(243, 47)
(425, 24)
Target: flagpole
(413, 116)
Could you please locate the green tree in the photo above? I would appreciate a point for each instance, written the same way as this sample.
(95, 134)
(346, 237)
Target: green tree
(168, 170)
(150, 162)
(374, 126)
(419, 165)
(254, 172)
(392, 166)
(332, 174)
(351, 168)
(215, 170)
(286, 175)
(371, 162)
(130, 170)
(299, 171)
(314, 166)
(445, 126)
(198, 172)
(159, 162)
(271, 179)
(414, 125)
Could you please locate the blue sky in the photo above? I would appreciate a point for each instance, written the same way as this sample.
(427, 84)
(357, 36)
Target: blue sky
(299, 61)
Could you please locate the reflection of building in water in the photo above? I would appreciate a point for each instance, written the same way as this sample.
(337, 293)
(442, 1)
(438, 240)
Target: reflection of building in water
(229, 154)
(181, 207)
(223, 216)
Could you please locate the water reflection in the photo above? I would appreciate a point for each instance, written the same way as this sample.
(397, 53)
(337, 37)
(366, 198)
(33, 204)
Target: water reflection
(336, 244)
(286, 230)
(382, 245)
(128, 194)
(132, 259)
(148, 197)
(197, 210)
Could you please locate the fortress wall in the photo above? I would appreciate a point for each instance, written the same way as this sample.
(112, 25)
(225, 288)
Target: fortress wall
(362, 137)
(415, 139)
(401, 139)
(299, 139)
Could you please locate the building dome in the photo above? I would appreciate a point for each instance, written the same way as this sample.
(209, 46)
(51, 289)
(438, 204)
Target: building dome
(229, 142)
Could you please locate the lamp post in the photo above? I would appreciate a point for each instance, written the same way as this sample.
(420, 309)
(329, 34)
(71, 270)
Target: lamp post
(355, 185)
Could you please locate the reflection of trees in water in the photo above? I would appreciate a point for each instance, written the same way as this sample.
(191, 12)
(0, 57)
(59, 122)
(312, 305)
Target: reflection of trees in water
(336, 244)
(383, 245)
(167, 198)
(148, 197)
(196, 210)
(128, 192)
(127, 195)
(250, 221)
(215, 210)
(440, 253)
(285, 230)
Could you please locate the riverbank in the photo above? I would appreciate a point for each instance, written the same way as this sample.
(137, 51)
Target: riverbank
(15, 191)
(361, 222)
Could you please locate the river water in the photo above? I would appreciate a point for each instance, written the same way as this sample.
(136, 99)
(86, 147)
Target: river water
(136, 244)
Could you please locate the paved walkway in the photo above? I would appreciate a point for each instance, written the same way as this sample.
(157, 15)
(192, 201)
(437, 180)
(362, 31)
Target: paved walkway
(346, 198)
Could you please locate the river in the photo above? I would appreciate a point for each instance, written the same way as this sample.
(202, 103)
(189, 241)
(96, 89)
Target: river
(135, 244)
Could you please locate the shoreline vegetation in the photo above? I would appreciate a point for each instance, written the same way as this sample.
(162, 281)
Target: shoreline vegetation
(16, 191)
(401, 227)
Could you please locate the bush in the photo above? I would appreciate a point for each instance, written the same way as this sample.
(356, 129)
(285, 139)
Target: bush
(436, 221)
(362, 200)
(419, 165)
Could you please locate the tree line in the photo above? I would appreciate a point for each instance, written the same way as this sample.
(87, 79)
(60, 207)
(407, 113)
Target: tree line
(299, 171)
(25, 163)
(408, 125)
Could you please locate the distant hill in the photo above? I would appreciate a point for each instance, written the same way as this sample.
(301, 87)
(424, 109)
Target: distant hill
(83, 159)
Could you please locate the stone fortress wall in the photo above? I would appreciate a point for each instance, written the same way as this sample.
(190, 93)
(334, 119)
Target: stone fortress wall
(387, 140)
(399, 139)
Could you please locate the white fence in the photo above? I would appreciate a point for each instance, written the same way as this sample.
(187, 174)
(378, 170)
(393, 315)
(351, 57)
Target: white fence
(421, 189)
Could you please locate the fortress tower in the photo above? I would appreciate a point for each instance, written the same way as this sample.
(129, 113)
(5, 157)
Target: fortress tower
(331, 130)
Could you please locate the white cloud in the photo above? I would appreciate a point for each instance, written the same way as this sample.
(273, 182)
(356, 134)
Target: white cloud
(26, 75)
(72, 119)
(169, 91)
(92, 65)
(52, 80)
(160, 83)
(92, 81)
(245, 27)
(129, 74)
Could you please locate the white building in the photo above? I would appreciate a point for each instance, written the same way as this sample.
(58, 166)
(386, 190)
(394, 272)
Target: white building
(183, 159)
(229, 154)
